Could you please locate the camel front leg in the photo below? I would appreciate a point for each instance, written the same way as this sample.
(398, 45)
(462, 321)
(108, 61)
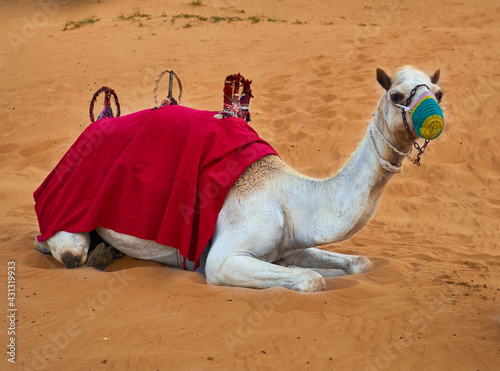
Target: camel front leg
(248, 271)
(328, 264)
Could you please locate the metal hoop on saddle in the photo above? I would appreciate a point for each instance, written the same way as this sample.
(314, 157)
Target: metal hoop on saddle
(106, 111)
(170, 100)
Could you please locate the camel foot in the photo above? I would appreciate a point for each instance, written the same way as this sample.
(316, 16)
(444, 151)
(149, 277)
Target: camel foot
(360, 264)
(310, 282)
(103, 256)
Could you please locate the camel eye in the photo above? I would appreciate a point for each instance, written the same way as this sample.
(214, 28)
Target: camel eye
(439, 96)
(396, 97)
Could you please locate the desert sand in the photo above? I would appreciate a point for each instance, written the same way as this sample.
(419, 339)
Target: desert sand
(432, 300)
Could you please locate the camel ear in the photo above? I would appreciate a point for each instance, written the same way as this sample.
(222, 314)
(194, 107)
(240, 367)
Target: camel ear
(435, 76)
(383, 79)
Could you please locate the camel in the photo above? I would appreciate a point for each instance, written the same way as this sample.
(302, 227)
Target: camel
(275, 214)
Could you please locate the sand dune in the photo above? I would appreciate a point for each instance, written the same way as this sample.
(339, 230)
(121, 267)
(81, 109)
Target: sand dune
(431, 301)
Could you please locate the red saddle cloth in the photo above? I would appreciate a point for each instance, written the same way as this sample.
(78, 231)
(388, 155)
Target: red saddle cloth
(159, 175)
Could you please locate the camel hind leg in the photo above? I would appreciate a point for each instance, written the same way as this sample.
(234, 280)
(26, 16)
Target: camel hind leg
(139, 248)
(71, 249)
(328, 264)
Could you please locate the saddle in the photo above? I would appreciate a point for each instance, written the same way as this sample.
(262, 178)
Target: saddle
(235, 104)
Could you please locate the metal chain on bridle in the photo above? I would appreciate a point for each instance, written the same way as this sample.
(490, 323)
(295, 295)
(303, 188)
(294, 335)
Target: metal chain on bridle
(419, 149)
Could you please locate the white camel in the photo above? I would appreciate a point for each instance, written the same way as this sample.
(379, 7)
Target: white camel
(272, 213)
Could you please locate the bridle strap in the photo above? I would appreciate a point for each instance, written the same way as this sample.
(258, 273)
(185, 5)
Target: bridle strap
(404, 109)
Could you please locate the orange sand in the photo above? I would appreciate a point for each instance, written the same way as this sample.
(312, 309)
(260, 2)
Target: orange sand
(431, 303)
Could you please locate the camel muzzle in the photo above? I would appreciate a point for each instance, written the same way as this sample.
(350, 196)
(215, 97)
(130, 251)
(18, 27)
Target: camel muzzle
(426, 116)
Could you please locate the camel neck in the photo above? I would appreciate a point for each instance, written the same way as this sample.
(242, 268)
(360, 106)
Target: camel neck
(370, 167)
(334, 209)
(351, 197)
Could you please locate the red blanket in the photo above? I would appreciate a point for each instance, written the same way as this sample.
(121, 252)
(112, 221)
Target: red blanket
(160, 175)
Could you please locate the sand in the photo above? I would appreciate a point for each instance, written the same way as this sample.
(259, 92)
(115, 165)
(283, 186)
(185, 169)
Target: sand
(432, 300)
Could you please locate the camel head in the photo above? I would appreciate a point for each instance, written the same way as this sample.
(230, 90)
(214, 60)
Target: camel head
(411, 96)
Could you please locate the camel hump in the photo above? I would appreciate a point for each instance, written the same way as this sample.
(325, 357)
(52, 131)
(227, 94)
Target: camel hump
(259, 174)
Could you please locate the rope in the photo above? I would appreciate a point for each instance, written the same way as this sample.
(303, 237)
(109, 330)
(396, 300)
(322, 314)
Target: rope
(381, 136)
(181, 261)
(169, 97)
(386, 165)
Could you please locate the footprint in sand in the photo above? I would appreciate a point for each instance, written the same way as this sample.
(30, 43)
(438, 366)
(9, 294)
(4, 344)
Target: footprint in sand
(333, 284)
(386, 271)
(342, 283)
(7, 150)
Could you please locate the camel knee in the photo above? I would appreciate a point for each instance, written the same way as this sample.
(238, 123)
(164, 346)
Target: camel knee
(70, 249)
(216, 273)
